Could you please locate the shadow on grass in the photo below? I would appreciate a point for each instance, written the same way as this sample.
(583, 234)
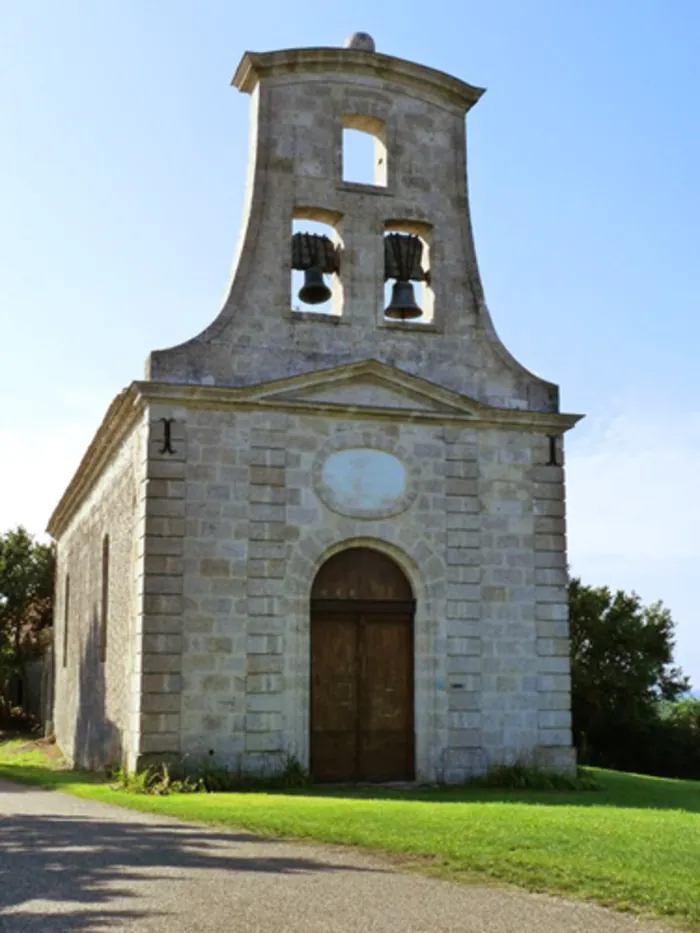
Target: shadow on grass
(80, 874)
(626, 791)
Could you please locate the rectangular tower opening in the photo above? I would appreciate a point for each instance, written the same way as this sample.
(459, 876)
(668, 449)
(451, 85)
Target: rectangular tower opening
(364, 150)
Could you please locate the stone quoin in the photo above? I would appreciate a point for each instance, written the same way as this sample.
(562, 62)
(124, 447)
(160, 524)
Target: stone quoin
(334, 530)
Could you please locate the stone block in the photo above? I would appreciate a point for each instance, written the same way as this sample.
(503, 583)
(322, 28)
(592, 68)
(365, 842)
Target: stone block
(463, 646)
(264, 683)
(554, 665)
(268, 531)
(265, 664)
(267, 550)
(554, 719)
(554, 683)
(264, 644)
(264, 742)
(161, 743)
(552, 629)
(551, 508)
(161, 584)
(553, 701)
(460, 609)
(546, 525)
(463, 664)
(163, 564)
(161, 702)
(263, 722)
(156, 604)
(160, 526)
(550, 542)
(457, 720)
(161, 683)
(266, 586)
(266, 569)
(463, 700)
(552, 612)
(164, 489)
(463, 503)
(494, 594)
(462, 521)
(263, 457)
(553, 576)
(165, 469)
(553, 647)
(551, 594)
(555, 737)
(270, 495)
(464, 738)
(160, 663)
(547, 491)
(169, 644)
(174, 508)
(159, 723)
(267, 476)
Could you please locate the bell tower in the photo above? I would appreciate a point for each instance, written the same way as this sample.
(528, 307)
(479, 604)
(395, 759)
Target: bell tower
(408, 230)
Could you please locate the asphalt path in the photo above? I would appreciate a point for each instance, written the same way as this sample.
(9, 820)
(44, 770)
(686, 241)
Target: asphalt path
(75, 865)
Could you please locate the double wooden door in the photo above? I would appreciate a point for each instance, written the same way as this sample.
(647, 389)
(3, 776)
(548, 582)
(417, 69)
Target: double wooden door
(362, 694)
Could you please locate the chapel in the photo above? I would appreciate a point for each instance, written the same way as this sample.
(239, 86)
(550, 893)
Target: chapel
(330, 527)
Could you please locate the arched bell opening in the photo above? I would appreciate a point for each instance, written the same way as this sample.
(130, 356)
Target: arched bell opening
(362, 670)
(408, 295)
(315, 262)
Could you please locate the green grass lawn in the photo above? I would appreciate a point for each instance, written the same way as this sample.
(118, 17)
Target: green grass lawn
(634, 846)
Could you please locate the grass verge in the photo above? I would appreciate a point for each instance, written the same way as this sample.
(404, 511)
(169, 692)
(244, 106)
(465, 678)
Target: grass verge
(633, 846)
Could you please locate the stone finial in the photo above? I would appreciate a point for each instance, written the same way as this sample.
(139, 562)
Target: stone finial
(360, 40)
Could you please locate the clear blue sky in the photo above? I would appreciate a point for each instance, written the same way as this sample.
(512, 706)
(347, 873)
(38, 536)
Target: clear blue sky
(122, 168)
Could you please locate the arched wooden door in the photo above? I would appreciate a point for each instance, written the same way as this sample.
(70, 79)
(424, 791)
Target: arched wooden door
(361, 669)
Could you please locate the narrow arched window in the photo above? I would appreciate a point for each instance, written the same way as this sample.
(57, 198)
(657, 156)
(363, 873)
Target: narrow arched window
(104, 613)
(66, 616)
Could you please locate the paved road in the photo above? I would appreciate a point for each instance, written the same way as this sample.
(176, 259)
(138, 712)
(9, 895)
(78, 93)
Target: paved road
(78, 866)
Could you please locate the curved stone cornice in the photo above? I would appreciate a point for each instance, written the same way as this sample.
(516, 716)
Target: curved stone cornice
(256, 66)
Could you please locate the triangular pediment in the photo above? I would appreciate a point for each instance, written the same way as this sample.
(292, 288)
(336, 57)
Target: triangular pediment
(369, 385)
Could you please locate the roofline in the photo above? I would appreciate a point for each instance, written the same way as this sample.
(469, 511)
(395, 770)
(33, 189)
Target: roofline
(257, 66)
(120, 418)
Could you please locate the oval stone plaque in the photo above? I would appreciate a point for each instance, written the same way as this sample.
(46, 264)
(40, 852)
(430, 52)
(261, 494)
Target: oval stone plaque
(364, 481)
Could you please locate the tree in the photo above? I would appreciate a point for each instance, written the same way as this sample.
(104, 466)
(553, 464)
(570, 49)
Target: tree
(26, 596)
(621, 668)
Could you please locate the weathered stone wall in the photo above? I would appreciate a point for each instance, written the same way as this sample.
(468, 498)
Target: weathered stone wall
(491, 670)
(95, 700)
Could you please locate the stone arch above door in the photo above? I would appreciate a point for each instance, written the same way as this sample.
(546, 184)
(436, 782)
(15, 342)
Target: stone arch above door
(361, 573)
(424, 567)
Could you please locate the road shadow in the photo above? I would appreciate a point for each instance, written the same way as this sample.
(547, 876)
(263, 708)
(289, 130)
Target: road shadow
(83, 866)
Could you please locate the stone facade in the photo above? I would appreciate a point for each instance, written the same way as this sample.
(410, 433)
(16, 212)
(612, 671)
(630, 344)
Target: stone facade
(210, 477)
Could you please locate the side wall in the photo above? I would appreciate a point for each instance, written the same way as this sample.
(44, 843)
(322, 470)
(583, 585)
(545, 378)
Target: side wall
(95, 700)
(481, 539)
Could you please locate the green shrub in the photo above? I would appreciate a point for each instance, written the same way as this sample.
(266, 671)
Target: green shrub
(208, 776)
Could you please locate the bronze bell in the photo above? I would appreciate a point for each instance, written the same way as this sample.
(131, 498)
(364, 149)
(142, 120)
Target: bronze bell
(314, 291)
(403, 302)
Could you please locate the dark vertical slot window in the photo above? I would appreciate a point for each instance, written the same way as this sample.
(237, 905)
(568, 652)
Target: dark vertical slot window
(104, 614)
(66, 617)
